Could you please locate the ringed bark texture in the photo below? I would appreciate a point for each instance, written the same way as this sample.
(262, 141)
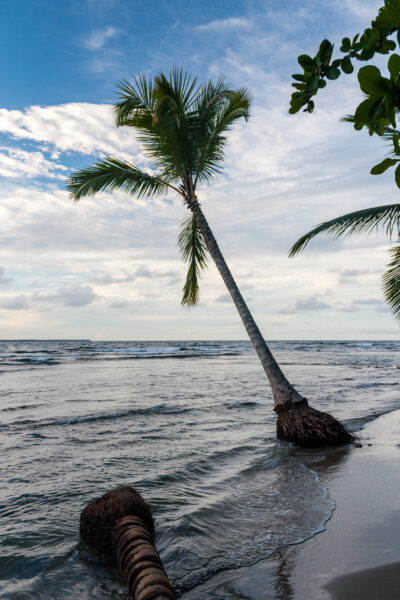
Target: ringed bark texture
(121, 523)
(140, 562)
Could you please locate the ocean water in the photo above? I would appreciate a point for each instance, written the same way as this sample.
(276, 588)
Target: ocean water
(191, 426)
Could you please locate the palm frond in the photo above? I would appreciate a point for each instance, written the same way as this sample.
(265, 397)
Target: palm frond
(180, 124)
(135, 99)
(237, 107)
(361, 221)
(222, 111)
(348, 119)
(391, 282)
(193, 251)
(181, 87)
(111, 174)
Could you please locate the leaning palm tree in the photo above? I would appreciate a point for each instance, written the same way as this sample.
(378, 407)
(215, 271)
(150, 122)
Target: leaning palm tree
(365, 221)
(182, 127)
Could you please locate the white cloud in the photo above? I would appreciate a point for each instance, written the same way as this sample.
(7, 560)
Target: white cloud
(97, 39)
(284, 174)
(349, 273)
(16, 163)
(109, 278)
(79, 127)
(349, 308)
(120, 304)
(72, 295)
(361, 9)
(311, 303)
(225, 24)
(369, 301)
(224, 299)
(15, 303)
(3, 279)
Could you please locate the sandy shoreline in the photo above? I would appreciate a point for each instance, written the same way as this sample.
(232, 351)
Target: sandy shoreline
(358, 556)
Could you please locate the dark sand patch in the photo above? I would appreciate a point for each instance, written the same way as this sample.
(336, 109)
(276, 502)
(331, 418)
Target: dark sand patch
(380, 583)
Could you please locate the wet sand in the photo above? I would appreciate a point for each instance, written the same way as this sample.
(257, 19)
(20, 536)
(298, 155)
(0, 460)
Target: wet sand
(358, 555)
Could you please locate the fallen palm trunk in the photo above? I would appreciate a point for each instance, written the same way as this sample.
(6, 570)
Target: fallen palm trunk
(120, 523)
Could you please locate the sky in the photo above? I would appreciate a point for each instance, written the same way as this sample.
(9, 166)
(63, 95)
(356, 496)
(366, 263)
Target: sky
(108, 267)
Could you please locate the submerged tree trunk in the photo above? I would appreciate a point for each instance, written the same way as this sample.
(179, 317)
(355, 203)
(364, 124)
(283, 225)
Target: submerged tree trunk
(120, 523)
(297, 422)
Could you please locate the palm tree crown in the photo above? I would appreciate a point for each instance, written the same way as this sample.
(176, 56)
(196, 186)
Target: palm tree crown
(182, 127)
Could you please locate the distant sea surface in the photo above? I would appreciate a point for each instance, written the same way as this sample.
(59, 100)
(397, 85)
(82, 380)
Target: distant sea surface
(191, 426)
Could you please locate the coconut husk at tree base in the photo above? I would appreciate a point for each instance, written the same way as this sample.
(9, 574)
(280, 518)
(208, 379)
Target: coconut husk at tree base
(310, 428)
(121, 523)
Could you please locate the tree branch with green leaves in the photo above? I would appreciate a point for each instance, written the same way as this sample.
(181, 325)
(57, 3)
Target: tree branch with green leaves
(379, 110)
(378, 113)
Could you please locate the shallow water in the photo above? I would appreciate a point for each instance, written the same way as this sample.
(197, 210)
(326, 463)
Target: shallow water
(190, 424)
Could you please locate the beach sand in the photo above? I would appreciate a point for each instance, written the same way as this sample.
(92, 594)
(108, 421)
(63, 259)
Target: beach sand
(357, 557)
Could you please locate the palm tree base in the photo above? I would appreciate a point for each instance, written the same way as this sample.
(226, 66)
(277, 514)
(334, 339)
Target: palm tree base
(99, 518)
(310, 428)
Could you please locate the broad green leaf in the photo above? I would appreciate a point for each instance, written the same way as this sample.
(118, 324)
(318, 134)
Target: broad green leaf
(394, 65)
(386, 47)
(298, 96)
(347, 66)
(397, 176)
(312, 85)
(346, 45)
(380, 129)
(325, 46)
(332, 72)
(378, 111)
(368, 53)
(393, 12)
(372, 82)
(321, 83)
(294, 108)
(383, 166)
(325, 51)
(306, 62)
(362, 114)
(298, 77)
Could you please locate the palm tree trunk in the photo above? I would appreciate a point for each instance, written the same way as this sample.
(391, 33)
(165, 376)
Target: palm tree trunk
(139, 561)
(297, 421)
(282, 390)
